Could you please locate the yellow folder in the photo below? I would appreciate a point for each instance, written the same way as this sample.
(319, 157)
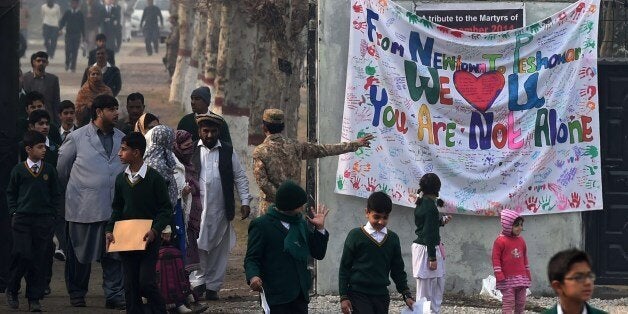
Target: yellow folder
(129, 235)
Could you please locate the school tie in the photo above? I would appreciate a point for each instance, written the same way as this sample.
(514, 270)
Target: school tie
(35, 168)
(65, 134)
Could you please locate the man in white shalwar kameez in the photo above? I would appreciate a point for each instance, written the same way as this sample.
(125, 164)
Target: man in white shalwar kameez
(219, 172)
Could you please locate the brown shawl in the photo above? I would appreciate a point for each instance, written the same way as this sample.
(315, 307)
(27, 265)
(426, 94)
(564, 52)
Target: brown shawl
(93, 87)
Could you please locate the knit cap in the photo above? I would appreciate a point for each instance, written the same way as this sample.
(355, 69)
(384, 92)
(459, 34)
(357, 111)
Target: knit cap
(290, 196)
(508, 217)
(203, 93)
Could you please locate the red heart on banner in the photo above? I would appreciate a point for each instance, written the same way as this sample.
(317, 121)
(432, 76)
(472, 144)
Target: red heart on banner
(479, 91)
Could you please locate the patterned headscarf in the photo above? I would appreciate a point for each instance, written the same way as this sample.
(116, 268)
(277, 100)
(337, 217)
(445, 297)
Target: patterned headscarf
(160, 157)
(184, 155)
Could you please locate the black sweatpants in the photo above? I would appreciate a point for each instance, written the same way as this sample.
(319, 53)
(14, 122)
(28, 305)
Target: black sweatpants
(296, 306)
(369, 304)
(31, 235)
(140, 279)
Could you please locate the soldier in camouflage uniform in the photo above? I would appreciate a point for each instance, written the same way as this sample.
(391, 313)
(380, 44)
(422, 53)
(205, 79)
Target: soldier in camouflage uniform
(278, 158)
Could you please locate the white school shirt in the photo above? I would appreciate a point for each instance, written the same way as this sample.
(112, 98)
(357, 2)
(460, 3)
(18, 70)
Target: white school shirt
(134, 177)
(62, 130)
(287, 226)
(559, 309)
(31, 163)
(51, 16)
(376, 235)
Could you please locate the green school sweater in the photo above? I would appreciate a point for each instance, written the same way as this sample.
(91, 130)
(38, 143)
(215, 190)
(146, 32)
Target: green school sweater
(145, 199)
(29, 193)
(188, 123)
(590, 310)
(366, 265)
(427, 222)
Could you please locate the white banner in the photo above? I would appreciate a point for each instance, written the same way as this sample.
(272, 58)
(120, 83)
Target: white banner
(506, 120)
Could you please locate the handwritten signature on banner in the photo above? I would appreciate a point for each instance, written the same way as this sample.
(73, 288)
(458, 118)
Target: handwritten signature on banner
(505, 119)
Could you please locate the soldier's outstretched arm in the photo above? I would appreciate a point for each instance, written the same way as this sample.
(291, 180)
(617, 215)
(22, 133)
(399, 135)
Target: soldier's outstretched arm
(312, 150)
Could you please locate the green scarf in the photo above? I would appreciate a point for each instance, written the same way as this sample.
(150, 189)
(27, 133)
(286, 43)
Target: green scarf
(295, 242)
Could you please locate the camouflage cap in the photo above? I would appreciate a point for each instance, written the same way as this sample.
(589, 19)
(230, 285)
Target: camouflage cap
(211, 118)
(273, 115)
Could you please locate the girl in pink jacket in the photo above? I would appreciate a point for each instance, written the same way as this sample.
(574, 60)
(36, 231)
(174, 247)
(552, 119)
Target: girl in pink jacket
(510, 263)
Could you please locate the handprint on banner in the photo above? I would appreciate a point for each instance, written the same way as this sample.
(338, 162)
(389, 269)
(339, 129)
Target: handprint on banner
(356, 167)
(347, 173)
(563, 202)
(359, 25)
(575, 14)
(357, 8)
(340, 182)
(590, 150)
(587, 27)
(575, 200)
(397, 195)
(534, 28)
(355, 182)
(370, 185)
(412, 18)
(371, 80)
(586, 72)
(590, 169)
(384, 188)
(590, 199)
(412, 195)
(545, 204)
(590, 91)
(532, 204)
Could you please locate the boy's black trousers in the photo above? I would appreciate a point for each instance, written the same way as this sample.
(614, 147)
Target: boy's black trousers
(368, 304)
(31, 235)
(140, 281)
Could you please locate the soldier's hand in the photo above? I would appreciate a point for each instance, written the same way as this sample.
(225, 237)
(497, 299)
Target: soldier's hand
(365, 141)
(245, 210)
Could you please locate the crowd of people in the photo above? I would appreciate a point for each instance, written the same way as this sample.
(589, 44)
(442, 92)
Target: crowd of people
(82, 22)
(82, 169)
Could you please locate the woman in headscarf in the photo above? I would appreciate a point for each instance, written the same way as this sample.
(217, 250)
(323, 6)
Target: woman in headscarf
(183, 150)
(160, 157)
(93, 87)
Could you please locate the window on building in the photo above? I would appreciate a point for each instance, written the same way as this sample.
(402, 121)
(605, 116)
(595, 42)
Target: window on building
(613, 34)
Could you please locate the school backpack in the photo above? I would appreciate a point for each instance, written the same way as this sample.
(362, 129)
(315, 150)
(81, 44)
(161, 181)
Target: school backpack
(173, 282)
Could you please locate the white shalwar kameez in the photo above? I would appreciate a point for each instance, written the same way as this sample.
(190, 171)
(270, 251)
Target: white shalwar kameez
(217, 236)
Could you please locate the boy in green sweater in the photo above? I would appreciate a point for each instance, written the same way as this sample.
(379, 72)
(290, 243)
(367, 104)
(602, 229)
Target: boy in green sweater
(370, 256)
(278, 249)
(570, 276)
(33, 196)
(140, 193)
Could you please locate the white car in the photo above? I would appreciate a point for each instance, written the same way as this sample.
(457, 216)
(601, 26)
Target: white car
(136, 16)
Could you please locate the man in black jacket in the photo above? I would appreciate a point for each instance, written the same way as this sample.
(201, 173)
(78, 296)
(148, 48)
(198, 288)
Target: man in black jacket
(74, 23)
(111, 22)
(101, 42)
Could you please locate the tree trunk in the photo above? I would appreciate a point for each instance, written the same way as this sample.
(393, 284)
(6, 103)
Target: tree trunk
(211, 43)
(183, 56)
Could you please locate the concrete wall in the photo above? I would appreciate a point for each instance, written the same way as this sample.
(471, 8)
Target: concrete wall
(468, 239)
